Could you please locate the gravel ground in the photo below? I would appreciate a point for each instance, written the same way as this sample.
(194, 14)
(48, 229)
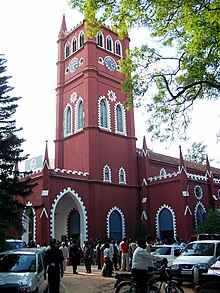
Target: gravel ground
(92, 283)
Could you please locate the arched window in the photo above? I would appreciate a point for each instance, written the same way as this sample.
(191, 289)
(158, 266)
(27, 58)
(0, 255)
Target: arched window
(118, 49)
(81, 40)
(74, 47)
(103, 114)
(67, 121)
(120, 124)
(107, 174)
(122, 176)
(80, 115)
(119, 119)
(100, 40)
(163, 173)
(109, 43)
(200, 215)
(67, 50)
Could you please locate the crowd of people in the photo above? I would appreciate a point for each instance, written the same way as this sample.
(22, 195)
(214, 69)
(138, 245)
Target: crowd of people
(109, 255)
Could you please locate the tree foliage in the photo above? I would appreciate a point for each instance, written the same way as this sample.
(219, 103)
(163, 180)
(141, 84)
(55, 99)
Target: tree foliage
(212, 223)
(12, 187)
(180, 67)
(197, 153)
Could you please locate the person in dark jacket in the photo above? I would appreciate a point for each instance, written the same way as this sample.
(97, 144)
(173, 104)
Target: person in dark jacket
(53, 266)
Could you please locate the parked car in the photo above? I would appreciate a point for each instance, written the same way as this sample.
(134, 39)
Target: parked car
(198, 255)
(210, 282)
(170, 252)
(15, 244)
(22, 270)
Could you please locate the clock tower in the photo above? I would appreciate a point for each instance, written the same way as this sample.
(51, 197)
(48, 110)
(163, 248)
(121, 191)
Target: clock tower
(94, 131)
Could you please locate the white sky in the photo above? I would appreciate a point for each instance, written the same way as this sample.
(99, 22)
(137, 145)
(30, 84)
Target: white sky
(28, 34)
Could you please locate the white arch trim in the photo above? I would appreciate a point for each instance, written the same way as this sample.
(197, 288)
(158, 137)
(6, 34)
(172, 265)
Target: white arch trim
(25, 224)
(122, 218)
(165, 206)
(82, 212)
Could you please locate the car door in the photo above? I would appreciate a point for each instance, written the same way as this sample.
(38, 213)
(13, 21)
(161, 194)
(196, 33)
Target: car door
(42, 283)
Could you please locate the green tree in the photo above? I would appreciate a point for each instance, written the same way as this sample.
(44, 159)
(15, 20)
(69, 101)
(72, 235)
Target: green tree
(212, 223)
(181, 66)
(197, 153)
(13, 190)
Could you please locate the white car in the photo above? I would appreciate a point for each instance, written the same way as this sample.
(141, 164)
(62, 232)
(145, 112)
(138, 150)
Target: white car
(195, 260)
(170, 252)
(22, 270)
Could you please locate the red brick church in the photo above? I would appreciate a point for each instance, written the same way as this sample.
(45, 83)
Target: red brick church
(102, 185)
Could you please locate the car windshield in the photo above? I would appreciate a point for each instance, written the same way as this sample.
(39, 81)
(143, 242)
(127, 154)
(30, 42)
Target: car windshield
(161, 250)
(199, 249)
(17, 263)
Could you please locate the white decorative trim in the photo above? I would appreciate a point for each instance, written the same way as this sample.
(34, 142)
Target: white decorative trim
(196, 208)
(174, 220)
(187, 210)
(106, 44)
(144, 216)
(144, 182)
(68, 106)
(80, 99)
(124, 175)
(108, 128)
(124, 132)
(122, 218)
(73, 97)
(144, 200)
(25, 224)
(111, 95)
(44, 211)
(80, 207)
(200, 188)
(121, 55)
(110, 174)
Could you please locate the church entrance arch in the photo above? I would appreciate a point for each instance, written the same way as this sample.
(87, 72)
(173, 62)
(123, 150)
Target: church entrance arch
(69, 217)
(115, 225)
(165, 224)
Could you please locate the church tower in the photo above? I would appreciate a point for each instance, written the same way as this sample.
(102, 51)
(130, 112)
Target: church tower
(94, 131)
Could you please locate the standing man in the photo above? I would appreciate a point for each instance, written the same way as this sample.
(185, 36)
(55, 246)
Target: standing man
(124, 247)
(53, 266)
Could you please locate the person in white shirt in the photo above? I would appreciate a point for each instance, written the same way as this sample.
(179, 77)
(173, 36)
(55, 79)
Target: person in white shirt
(142, 264)
(108, 264)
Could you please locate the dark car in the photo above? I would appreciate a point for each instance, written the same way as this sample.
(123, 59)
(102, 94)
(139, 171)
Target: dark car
(15, 244)
(22, 270)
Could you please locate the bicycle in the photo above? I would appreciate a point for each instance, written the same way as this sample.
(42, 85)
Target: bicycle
(160, 281)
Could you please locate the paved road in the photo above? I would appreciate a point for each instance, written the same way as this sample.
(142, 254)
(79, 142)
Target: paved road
(92, 283)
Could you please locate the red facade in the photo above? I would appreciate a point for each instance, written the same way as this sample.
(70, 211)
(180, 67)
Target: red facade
(102, 185)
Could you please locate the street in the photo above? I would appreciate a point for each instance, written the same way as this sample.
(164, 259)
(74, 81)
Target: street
(92, 283)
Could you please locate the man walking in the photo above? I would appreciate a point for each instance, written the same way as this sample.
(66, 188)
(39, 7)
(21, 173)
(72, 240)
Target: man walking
(53, 266)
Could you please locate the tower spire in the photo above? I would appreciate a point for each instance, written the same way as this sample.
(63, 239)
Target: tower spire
(46, 162)
(63, 28)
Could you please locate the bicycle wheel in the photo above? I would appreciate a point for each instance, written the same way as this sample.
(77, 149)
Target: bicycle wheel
(126, 287)
(173, 288)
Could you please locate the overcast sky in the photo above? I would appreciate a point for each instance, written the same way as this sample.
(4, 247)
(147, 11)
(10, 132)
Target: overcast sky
(28, 35)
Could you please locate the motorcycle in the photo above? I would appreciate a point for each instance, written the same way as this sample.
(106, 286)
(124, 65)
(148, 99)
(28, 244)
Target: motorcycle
(160, 280)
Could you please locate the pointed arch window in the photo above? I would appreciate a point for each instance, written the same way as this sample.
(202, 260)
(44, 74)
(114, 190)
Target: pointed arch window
(67, 50)
(79, 115)
(74, 47)
(107, 174)
(122, 176)
(67, 121)
(120, 119)
(81, 40)
(100, 39)
(104, 113)
(200, 215)
(118, 49)
(109, 43)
